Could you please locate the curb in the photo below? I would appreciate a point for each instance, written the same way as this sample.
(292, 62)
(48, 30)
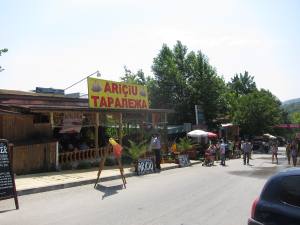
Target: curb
(84, 182)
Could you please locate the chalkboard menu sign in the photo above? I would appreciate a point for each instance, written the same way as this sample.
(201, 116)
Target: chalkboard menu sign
(183, 160)
(7, 181)
(145, 166)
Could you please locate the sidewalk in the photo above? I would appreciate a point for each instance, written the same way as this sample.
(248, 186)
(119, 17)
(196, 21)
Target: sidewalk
(36, 183)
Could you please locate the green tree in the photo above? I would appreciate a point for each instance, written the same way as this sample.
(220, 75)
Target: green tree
(257, 112)
(140, 78)
(207, 88)
(183, 80)
(242, 84)
(170, 89)
(2, 51)
(295, 117)
(134, 78)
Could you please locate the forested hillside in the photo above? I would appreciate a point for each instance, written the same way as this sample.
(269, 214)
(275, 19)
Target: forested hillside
(292, 107)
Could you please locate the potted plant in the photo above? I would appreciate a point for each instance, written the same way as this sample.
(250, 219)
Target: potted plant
(136, 151)
(184, 145)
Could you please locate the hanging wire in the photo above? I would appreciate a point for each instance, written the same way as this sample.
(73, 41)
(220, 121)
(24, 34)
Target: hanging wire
(98, 75)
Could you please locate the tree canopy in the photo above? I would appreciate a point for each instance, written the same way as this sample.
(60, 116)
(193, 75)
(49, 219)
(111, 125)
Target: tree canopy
(183, 79)
(134, 78)
(295, 117)
(257, 112)
(242, 84)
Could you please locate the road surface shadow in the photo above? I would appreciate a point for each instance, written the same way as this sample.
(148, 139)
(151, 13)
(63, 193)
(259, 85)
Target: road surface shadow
(109, 190)
(264, 157)
(257, 172)
(8, 210)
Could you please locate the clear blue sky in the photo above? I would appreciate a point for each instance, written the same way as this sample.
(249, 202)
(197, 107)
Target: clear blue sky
(56, 43)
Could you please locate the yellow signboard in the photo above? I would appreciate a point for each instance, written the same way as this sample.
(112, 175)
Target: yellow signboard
(116, 95)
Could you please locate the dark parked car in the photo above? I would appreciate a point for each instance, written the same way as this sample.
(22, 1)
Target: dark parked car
(279, 201)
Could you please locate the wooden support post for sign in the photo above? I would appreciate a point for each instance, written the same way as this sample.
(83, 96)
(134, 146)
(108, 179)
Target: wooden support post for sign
(97, 131)
(121, 171)
(51, 120)
(165, 131)
(153, 115)
(7, 178)
(101, 167)
(142, 126)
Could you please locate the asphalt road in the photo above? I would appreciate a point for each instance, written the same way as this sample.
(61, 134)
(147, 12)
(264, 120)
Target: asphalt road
(187, 196)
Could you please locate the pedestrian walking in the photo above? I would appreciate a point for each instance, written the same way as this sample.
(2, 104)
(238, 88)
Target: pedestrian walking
(294, 153)
(223, 152)
(217, 149)
(246, 148)
(274, 149)
(251, 150)
(237, 149)
(155, 145)
(288, 152)
(214, 152)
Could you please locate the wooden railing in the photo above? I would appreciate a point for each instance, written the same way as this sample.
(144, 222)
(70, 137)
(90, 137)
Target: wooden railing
(79, 155)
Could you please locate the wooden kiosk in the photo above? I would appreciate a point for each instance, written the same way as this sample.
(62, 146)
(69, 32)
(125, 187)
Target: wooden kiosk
(29, 120)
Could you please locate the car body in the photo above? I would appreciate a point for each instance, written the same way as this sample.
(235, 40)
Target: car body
(279, 201)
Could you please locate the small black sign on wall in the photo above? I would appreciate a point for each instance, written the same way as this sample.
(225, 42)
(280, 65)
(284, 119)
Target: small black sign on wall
(7, 179)
(183, 160)
(145, 166)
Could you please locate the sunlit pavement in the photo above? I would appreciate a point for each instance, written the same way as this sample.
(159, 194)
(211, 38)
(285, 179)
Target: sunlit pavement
(193, 195)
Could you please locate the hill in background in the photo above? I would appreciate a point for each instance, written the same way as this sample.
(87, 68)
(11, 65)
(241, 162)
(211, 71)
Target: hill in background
(291, 101)
(292, 105)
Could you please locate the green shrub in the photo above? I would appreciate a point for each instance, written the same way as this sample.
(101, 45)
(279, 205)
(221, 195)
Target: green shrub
(184, 144)
(135, 151)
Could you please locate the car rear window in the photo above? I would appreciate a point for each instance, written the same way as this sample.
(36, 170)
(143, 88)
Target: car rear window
(290, 193)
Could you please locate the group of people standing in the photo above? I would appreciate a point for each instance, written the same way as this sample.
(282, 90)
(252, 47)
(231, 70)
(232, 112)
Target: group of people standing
(292, 152)
(215, 150)
(246, 148)
(220, 148)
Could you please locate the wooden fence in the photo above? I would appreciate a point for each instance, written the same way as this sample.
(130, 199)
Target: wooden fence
(42, 157)
(34, 158)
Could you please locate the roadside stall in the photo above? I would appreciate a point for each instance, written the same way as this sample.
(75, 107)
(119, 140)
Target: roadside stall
(52, 131)
(229, 131)
(200, 139)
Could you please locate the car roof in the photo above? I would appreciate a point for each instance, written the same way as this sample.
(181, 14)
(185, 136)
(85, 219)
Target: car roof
(271, 188)
(289, 172)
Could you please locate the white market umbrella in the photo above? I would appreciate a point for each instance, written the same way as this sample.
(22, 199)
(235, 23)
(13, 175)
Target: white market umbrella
(197, 133)
(270, 136)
